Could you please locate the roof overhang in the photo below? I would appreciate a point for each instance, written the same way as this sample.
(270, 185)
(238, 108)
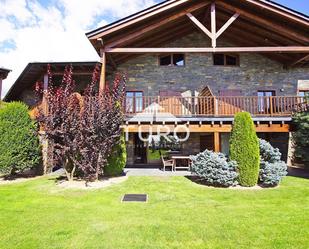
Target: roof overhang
(36, 70)
(160, 24)
(4, 73)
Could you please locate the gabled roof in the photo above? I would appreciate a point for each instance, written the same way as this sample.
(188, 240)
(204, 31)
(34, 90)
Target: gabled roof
(35, 71)
(168, 4)
(261, 23)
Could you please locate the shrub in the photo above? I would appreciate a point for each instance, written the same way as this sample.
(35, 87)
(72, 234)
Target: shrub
(214, 169)
(19, 144)
(82, 129)
(301, 136)
(2, 104)
(118, 159)
(244, 149)
(272, 169)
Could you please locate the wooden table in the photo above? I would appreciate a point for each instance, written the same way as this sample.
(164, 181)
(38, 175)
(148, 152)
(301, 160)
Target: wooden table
(182, 158)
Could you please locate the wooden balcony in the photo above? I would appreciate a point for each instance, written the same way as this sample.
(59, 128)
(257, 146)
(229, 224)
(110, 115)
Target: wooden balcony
(276, 106)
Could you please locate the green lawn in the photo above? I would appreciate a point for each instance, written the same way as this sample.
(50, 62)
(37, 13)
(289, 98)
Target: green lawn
(179, 214)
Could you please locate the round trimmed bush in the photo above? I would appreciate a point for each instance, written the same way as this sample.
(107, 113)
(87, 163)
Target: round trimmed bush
(118, 159)
(244, 149)
(214, 169)
(19, 144)
(272, 169)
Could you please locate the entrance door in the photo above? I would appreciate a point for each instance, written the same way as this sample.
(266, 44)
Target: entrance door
(140, 150)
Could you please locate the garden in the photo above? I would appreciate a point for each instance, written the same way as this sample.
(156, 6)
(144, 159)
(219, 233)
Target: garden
(89, 145)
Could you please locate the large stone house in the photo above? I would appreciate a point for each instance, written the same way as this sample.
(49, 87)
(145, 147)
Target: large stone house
(193, 64)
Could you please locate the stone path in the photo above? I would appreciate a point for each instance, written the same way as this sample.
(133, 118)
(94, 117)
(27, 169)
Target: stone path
(153, 172)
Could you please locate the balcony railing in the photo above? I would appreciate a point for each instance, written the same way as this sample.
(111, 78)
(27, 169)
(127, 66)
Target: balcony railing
(215, 106)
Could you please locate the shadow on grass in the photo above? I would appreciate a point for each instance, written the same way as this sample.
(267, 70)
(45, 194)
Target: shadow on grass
(202, 182)
(23, 175)
(297, 172)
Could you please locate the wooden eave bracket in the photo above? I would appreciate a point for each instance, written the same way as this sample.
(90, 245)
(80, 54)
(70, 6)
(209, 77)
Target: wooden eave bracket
(213, 34)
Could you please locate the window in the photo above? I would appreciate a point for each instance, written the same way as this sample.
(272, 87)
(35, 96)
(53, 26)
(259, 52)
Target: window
(225, 60)
(264, 100)
(303, 93)
(134, 102)
(177, 60)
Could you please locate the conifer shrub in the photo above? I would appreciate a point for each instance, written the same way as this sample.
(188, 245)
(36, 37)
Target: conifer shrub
(244, 149)
(301, 137)
(19, 143)
(214, 169)
(118, 159)
(272, 169)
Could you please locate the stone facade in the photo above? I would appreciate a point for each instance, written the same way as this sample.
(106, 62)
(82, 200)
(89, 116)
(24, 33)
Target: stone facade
(255, 72)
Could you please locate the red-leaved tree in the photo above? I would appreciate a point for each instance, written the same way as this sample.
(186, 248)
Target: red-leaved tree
(82, 129)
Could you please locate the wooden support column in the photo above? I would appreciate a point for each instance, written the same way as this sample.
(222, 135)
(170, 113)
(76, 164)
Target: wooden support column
(45, 88)
(47, 147)
(213, 25)
(217, 141)
(0, 87)
(103, 71)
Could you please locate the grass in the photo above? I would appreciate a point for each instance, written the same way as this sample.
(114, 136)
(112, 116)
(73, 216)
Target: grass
(179, 214)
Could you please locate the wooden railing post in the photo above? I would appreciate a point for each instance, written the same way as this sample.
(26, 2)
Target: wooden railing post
(216, 106)
(271, 105)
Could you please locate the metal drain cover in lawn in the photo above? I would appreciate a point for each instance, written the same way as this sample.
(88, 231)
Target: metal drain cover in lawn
(135, 198)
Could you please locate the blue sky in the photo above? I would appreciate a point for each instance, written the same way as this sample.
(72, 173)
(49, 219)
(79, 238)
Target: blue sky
(54, 30)
(298, 5)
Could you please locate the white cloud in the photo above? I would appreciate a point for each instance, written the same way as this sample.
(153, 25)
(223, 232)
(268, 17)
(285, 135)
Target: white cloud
(55, 32)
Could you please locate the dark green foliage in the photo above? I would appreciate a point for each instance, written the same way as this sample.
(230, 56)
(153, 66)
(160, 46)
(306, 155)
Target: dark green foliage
(272, 169)
(118, 159)
(214, 169)
(244, 149)
(301, 136)
(19, 144)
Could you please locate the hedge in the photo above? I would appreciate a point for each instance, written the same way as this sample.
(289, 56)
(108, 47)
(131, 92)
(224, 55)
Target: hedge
(117, 161)
(19, 143)
(244, 149)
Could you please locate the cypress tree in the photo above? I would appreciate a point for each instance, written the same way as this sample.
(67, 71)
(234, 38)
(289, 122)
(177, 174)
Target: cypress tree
(244, 149)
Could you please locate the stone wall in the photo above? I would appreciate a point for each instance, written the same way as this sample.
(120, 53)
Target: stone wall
(255, 72)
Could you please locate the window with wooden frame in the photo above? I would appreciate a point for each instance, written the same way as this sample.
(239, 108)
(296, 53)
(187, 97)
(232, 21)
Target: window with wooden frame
(226, 60)
(177, 60)
(264, 100)
(134, 101)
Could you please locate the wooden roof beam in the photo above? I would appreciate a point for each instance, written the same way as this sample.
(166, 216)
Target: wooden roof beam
(227, 24)
(260, 20)
(141, 17)
(287, 49)
(275, 9)
(213, 34)
(303, 58)
(140, 32)
(199, 25)
(213, 24)
(256, 30)
(162, 39)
